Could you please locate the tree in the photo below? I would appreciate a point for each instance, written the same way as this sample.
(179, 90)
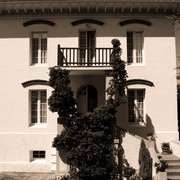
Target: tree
(88, 139)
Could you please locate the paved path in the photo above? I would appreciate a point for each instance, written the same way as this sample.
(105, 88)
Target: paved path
(26, 176)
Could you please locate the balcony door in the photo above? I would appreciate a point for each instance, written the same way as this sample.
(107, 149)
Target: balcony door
(87, 47)
(86, 99)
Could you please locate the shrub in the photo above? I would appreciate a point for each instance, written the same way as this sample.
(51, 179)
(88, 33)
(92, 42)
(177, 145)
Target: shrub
(145, 162)
(128, 171)
(135, 177)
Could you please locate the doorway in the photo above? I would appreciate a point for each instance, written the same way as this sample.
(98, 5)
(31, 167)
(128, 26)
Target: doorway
(87, 47)
(86, 98)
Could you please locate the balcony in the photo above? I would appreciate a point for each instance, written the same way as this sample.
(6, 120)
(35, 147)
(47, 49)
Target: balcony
(84, 57)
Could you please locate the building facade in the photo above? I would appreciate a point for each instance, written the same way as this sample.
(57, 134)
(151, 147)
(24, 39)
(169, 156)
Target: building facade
(76, 35)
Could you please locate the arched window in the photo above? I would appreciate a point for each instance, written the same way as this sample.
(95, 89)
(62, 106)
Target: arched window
(86, 98)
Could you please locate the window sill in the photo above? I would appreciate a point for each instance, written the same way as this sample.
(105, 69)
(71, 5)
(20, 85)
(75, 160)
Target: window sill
(38, 161)
(137, 124)
(135, 64)
(44, 125)
(38, 65)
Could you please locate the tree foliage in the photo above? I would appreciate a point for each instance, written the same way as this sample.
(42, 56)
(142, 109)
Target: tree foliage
(61, 99)
(88, 139)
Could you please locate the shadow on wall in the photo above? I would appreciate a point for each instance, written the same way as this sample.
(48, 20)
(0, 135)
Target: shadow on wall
(142, 130)
(139, 132)
(136, 128)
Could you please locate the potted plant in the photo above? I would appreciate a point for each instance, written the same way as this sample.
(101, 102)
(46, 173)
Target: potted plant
(150, 136)
(166, 148)
(161, 167)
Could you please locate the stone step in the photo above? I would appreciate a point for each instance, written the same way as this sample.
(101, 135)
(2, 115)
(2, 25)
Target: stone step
(173, 177)
(173, 165)
(173, 172)
(169, 157)
(172, 160)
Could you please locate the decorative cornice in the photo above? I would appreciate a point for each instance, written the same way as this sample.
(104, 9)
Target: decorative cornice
(135, 21)
(38, 21)
(58, 7)
(35, 82)
(39, 1)
(139, 81)
(92, 21)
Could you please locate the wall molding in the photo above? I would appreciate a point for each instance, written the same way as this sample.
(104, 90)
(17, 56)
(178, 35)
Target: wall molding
(83, 21)
(139, 81)
(35, 82)
(135, 21)
(38, 21)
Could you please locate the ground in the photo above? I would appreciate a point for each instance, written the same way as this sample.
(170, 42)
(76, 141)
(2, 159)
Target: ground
(26, 176)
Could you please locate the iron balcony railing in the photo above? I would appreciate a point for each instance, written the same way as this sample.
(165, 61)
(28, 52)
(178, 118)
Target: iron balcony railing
(84, 56)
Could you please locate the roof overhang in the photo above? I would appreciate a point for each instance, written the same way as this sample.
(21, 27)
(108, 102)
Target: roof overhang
(27, 7)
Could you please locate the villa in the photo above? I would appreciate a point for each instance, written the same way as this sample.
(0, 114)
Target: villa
(76, 35)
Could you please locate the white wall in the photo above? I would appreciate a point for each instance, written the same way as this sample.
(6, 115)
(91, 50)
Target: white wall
(159, 68)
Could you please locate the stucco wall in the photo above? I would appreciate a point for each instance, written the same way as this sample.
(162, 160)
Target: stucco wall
(160, 69)
(15, 154)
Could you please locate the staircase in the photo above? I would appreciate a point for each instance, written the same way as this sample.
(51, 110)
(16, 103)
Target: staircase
(173, 170)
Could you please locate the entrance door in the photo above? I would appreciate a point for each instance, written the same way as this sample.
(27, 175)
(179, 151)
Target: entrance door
(86, 99)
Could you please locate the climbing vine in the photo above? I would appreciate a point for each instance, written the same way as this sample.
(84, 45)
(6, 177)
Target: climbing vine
(88, 139)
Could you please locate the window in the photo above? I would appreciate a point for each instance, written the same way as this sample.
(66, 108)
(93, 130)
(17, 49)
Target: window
(134, 47)
(87, 46)
(39, 48)
(136, 105)
(38, 154)
(38, 100)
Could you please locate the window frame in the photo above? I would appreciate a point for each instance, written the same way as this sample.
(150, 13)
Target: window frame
(134, 49)
(136, 121)
(39, 51)
(38, 108)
